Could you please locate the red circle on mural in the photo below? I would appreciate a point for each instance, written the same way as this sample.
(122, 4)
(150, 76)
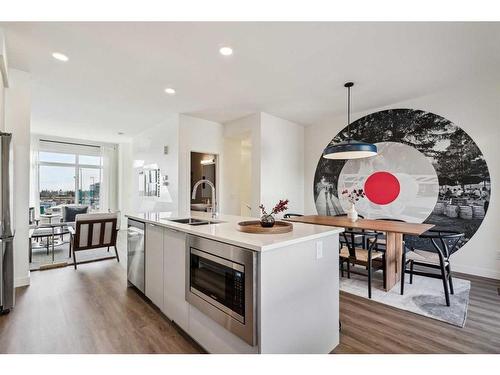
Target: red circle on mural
(382, 188)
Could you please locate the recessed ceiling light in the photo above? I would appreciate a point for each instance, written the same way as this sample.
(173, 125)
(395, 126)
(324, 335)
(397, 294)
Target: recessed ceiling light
(170, 91)
(226, 51)
(60, 56)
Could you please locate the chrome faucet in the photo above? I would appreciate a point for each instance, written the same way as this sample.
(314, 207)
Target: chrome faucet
(215, 212)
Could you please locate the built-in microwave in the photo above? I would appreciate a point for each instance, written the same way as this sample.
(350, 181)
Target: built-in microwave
(220, 282)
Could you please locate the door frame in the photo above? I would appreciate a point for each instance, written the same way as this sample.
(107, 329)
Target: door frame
(217, 177)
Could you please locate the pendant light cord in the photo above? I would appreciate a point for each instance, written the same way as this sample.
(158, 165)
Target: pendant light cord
(348, 113)
(349, 85)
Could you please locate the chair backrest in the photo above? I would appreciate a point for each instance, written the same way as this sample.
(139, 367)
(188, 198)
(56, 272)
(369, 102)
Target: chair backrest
(288, 216)
(350, 240)
(405, 236)
(70, 211)
(444, 241)
(360, 216)
(342, 242)
(389, 219)
(95, 230)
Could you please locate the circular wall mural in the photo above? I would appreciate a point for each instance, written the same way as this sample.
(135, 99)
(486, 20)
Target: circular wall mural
(427, 170)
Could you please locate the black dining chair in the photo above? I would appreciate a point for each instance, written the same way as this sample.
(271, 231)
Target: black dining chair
(358, 236)
(350, 253)
(288, 216)
(382, 242)
(444, 243)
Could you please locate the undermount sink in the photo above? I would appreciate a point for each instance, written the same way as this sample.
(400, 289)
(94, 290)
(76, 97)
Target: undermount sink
(192, 221)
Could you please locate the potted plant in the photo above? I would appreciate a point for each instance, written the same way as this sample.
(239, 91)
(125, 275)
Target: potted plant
(267, 219)
(353, 196)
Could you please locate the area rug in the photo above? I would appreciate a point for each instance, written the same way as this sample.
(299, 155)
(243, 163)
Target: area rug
(424, 297)
(41, 260)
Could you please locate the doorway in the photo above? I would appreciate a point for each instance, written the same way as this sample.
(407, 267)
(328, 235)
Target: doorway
(203, 167)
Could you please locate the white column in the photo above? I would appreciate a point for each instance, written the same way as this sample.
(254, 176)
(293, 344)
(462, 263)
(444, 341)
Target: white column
(17, 122)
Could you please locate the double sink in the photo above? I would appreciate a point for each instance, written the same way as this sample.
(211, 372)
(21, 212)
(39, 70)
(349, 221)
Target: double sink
(193, 221)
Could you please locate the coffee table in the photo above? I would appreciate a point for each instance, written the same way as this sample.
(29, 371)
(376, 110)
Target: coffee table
(47, 233)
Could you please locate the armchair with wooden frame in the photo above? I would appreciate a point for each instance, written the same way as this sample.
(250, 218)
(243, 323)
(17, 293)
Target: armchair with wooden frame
(93, 231)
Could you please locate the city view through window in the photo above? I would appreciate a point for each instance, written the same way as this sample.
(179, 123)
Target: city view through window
(69, 179)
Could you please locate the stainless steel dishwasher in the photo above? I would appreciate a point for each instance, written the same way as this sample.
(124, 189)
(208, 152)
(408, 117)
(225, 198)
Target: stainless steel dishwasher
(136, 239)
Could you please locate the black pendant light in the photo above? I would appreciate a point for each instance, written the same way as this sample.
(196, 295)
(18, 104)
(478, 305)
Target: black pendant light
(349, 149)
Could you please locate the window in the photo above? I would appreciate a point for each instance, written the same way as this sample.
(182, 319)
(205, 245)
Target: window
(57, 186)
(89, 187)
(56, 157)
(90, 160)
(69, 174)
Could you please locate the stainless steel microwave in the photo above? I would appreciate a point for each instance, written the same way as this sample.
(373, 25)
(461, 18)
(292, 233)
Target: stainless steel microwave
(221, 282)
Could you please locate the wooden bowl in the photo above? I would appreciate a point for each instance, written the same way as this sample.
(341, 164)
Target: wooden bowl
(254, 226)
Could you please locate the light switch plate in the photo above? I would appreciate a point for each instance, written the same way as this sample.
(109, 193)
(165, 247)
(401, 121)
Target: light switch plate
(319, 249)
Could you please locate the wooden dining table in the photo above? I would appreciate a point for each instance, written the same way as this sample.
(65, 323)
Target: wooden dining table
(394, 231)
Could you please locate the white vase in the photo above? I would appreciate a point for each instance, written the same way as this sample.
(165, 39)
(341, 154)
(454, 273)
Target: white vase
(352, 214)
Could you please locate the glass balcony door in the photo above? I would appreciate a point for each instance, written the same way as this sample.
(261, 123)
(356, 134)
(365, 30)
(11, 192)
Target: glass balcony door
(67, 174)
(89, 181)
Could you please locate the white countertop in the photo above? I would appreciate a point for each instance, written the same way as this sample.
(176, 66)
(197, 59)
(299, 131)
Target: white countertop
(227, 230)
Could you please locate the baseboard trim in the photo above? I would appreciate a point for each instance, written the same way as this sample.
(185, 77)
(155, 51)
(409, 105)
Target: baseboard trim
(476, 271)
(21, 281)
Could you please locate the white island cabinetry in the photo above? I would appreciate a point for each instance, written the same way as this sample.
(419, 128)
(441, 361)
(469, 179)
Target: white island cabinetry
(174, 277)
(294, 290)
(154, 264)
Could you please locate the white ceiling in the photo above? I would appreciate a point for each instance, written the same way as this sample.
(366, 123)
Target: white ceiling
(117, 72)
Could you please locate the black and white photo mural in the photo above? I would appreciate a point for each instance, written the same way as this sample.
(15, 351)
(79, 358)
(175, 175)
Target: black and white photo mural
(427, 170)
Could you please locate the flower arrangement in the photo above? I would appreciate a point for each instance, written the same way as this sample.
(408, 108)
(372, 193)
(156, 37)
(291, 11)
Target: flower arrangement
(267, 219)
(353, 195)
(280, 207)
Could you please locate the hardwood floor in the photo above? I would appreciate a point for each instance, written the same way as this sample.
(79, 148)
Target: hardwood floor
(371, 327)
(92, 311)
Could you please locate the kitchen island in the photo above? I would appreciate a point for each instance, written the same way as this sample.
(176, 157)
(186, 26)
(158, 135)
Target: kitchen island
(236, 292)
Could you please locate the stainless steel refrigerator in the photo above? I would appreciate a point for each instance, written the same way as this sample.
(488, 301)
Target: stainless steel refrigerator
(6, 225)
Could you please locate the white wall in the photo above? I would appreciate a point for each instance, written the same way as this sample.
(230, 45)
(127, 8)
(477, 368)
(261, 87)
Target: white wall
(200, 136)
(3, 60)
(145, 149)
(281, 163)
(182, 134)
(231, 199)
(475, 107)
(237, 172)
(2, 105)
(17, 122)
(246, 177)
(125, 180)
(277, 159)
(247, 129)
